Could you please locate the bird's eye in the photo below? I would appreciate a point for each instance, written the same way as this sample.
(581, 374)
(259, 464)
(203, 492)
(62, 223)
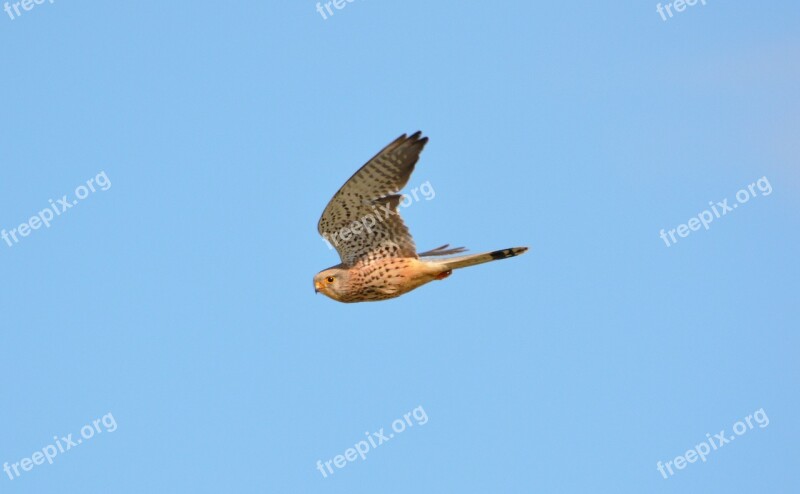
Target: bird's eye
(329, 279)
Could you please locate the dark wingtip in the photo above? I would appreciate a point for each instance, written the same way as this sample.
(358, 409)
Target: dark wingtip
(416, 137)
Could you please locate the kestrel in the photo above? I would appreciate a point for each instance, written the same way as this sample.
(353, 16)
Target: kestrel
(379, 259)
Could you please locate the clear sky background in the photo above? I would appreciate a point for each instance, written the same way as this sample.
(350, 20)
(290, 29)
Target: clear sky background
(180, 299)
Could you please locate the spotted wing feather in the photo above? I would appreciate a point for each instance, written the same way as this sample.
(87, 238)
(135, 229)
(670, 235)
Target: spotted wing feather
(370, 196)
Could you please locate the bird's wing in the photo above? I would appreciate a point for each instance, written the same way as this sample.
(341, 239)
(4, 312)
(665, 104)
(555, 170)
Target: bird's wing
(361, 221)
(442, 251)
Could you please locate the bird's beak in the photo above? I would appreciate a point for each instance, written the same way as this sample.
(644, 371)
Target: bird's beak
(317, 286)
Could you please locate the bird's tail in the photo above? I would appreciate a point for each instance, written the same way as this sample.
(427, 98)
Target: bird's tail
(474, 259)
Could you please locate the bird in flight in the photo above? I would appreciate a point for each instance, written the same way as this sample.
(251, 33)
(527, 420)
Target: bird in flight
(379, 258)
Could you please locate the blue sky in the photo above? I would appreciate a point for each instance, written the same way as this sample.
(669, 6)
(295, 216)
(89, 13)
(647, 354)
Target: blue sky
(178, 302)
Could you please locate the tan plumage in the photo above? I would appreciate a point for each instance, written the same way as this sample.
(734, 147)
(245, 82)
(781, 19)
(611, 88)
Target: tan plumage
(379, 258)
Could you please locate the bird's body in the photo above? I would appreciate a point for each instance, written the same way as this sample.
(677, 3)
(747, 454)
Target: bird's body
(379, 258)
(384, 278)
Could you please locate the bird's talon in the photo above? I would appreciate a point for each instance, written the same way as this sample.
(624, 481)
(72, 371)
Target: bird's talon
(444, 275)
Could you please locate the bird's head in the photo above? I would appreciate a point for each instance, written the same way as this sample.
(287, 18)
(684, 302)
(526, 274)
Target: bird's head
(333, 282)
